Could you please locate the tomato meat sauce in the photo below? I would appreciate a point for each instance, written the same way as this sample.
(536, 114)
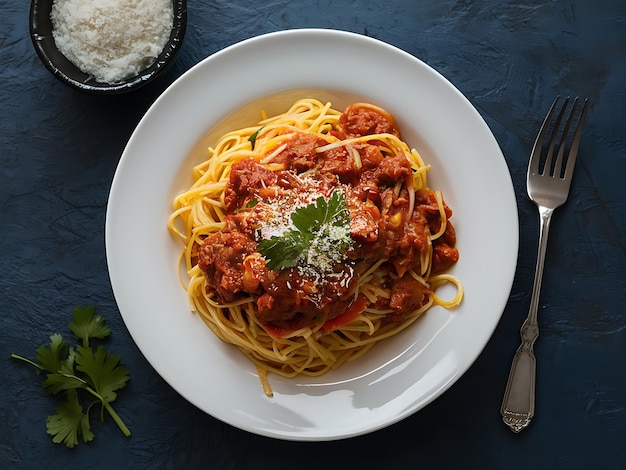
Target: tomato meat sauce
(381, 228)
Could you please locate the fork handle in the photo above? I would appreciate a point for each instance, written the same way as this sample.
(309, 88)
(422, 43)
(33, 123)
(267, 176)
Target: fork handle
(518, 405)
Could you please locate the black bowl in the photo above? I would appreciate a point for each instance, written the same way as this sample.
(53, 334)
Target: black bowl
(68, 73)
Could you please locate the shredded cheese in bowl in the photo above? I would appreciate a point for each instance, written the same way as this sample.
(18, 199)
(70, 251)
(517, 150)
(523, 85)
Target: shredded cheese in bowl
(111, 39)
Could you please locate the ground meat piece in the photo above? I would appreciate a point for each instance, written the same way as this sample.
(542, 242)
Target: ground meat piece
(392, 170)
(246, 176)
(449, 235)
(426, 200)
(371, 156)
(340, 163)
(300, 154)
(444, 257)
(364, 223)
(407, 295)
(366, 119)
(221, 257)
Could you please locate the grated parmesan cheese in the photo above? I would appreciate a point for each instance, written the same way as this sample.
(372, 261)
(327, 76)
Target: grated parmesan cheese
(326, 248)
(111, 39)
(278, 211)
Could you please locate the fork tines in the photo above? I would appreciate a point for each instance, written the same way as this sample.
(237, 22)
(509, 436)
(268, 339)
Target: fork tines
(563, 165)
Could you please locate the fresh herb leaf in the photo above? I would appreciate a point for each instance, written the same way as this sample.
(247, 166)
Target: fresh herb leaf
(254, 136)
(86, 324)
(81, 370)
(283, 252)
(70, 423)
(314, 217)
(320, 237)
(67, 366)
(102, 371)
(52, 356)
(56, 383)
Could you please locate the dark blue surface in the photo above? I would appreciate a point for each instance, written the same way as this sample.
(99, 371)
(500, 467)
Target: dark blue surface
(59, 149)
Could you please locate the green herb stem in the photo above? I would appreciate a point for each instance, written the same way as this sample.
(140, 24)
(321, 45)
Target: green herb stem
(117, 419)
(15, 356)
(120, 423)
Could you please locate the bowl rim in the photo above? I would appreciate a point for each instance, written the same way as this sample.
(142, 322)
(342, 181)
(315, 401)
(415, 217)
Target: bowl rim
(40, 28)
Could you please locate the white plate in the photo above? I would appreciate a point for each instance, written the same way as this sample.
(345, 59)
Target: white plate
(397, 377)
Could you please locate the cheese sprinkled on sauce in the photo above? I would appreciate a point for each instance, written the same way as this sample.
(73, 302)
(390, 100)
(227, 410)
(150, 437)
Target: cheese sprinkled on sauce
(327, 247)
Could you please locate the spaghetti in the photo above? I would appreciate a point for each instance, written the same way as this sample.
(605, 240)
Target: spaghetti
(311, 236)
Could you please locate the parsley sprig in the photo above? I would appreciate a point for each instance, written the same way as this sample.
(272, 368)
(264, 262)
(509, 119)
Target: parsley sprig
(254, 136)
(80, 373)
(321, 236)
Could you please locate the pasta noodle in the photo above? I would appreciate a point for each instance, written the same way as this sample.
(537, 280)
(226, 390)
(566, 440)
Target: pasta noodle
(365, 311)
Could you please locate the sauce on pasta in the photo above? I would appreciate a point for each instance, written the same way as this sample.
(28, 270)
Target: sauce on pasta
(300, 295)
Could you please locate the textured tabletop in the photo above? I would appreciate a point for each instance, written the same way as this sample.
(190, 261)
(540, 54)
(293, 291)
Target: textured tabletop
(59, 149)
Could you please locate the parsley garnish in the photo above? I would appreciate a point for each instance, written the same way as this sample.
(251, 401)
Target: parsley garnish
(72, 370)
(253, 137)
(321, 236)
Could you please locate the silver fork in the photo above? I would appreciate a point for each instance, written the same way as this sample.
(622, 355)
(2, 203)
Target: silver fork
(548, 185)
